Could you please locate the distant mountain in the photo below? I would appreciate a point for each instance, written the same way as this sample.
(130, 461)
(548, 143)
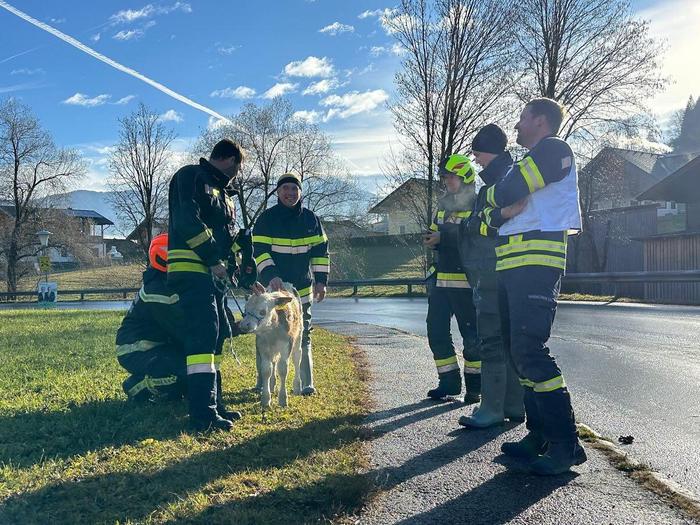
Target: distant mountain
(92, 200)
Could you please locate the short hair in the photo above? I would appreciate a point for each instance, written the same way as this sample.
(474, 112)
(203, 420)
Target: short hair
(227, 148)
(551, 109)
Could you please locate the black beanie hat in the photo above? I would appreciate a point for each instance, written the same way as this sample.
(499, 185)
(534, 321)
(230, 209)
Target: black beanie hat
(289, 177)
(490, 139)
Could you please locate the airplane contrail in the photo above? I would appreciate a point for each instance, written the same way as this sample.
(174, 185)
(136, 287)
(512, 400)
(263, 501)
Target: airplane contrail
(116, 65)
(18, 54)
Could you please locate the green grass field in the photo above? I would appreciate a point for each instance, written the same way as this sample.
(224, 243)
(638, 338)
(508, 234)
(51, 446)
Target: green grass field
(72, 450)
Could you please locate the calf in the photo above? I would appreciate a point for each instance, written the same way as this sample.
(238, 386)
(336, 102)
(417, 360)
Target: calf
(276, 319)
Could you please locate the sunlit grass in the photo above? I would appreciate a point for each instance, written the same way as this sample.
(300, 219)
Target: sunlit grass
(72, 450)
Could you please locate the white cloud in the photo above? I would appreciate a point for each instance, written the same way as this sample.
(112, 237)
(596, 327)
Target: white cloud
(215, 123)
(239, 92)
(96, 37)
(336, 28)
(126, 16)
(320, 87)
(310, 67)
(128, 35)
(375, 51)
(171, 116)
(368, 69)
(309, 116)
(25, 71)
(681, 35)
(125, 100)
(83, 100)
(57, 20)
(397, 49)
(280, 89)
(227, 50)
(353, 103)
(376, 13)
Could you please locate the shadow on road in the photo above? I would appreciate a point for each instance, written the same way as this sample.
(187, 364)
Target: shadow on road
(496, 501)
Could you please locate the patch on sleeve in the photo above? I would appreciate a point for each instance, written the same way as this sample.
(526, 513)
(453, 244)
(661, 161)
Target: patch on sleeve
(566, 162)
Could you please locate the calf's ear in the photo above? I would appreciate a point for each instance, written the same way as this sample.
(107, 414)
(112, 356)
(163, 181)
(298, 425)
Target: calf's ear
(282, 300)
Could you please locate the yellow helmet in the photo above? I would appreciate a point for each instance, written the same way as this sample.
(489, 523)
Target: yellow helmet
(459, 165)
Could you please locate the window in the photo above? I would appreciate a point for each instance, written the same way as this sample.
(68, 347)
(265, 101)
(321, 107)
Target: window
(402, 229)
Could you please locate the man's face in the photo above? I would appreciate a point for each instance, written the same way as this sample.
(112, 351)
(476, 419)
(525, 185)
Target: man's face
(483, 159)
(528, 127)
(230, 167)
(289, 194)
(452, 182)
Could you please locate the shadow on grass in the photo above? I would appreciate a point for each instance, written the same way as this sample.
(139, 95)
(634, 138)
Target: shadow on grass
(29, 438)
(135, 495)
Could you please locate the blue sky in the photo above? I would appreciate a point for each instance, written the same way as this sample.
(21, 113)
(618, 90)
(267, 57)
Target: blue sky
(332, 58)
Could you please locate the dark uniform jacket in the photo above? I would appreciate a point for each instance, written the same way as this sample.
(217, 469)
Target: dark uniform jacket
(453, 208)
(290, 243)
(202, 213)
(153, 318)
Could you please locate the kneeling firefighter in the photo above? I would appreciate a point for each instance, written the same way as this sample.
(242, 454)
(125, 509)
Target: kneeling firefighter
(150, 338)
(449, 292)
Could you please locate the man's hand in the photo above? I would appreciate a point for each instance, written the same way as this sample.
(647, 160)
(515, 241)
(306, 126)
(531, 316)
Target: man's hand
(257, 288)
(514, 209)
(431, 239)
(276, 284)
(319, 292)
(219, 271)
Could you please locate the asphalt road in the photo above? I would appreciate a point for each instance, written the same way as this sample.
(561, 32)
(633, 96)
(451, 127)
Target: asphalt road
(632, 370)
(429, 471)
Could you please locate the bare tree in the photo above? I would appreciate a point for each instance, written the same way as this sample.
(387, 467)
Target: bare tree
(275, 142)
(457, 72)
(140, 168)
(592, 57)
(32, 167)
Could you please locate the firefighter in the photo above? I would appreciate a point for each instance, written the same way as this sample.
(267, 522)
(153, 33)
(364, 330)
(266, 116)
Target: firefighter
(501, 393)
(448, 289)
(531, 260)
(150, 339)
(201, 253)
(290, 245)
(147, 344)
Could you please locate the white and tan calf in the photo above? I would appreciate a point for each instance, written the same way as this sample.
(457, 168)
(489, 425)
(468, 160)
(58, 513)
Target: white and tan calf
(276, 319)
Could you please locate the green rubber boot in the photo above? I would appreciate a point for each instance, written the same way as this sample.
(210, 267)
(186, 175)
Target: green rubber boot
(493, 390)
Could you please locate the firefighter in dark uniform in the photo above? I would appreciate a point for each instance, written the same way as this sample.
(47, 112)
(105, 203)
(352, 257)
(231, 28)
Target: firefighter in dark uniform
(448, 289)
(147, 344)
(291, 246)
(150, 338)
(201, 253)
(501, 393)
(531, 259)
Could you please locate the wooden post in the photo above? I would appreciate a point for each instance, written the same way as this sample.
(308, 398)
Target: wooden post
(410, 289)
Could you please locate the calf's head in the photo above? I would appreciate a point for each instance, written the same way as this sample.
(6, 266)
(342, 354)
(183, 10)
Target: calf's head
(259, 310)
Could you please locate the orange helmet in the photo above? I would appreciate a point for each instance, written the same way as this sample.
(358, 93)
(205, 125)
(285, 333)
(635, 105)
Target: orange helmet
(158, 252)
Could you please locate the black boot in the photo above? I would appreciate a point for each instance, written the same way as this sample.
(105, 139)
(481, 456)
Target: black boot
(201, 397)
(559, 458)
(472, 384)
(231, 415)
(534, 443)
(449, 384)
(559, 429)
(530, 447)
(136, 388)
